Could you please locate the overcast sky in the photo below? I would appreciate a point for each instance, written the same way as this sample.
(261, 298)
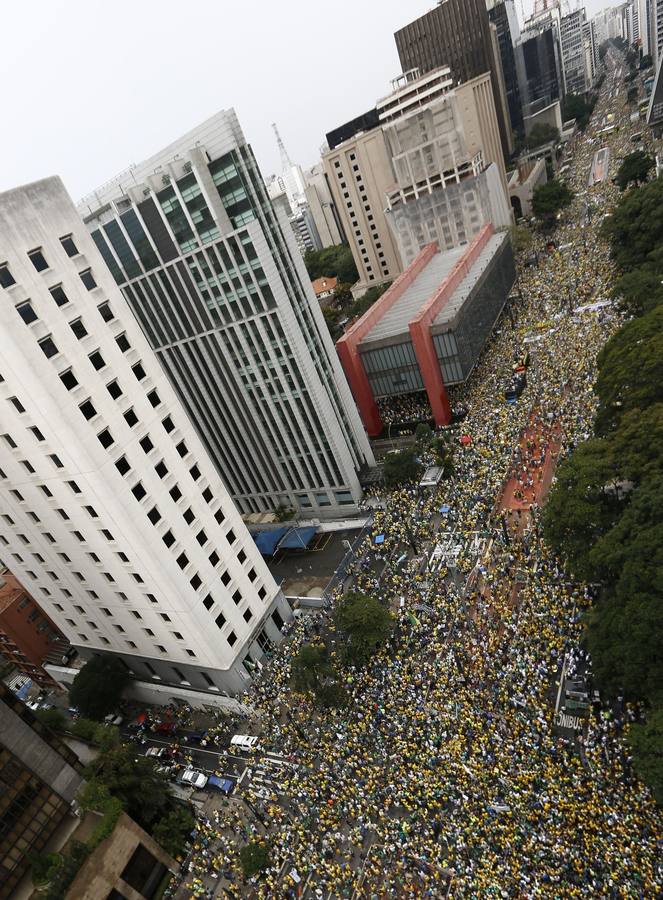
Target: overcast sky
(89, 87)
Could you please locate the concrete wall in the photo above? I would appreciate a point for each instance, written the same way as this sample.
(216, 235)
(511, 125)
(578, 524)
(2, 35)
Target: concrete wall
(101, 871)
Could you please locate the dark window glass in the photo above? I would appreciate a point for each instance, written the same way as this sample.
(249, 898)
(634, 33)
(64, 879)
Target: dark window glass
(48, 347)
(97, 360)
(114, 389)
(107, 254)
(122, 465)
(195, 582)
(161, 469)
(194, 471)
(214, 558)
(139, 239)
(68, 379)
(105, 438)
(78, 328)
(131, 418)
(88, 279)
(88, 409)
(74, 487)
(182, 560)
(232, 638)
(106, 312)
(168, 424)
(138, 371)
(207, 495)
(220, 620)
(37, 433)
(69, 246)
(182, 449)
(154, 515)
(157, 229)
(55, 459)
(122, 250)
(6, 277)
(138, 491)
(146, 444)
(122, 342)
(154, 398)
(27, 313)
(38, 260)
(58, 294)
(175, 493)
(168, 538)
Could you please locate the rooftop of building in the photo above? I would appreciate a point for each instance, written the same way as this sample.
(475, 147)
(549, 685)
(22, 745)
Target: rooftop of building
(324, 284)
(435, 277)
(10, 590)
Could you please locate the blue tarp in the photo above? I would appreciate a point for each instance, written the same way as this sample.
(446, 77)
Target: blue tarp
(267, 541)
(298, 538)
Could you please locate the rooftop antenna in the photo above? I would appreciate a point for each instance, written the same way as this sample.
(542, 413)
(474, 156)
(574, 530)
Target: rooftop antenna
(286, 162)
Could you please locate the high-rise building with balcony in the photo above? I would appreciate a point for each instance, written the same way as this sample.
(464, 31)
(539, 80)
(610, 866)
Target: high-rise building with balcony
(112, 513)
(215, 279)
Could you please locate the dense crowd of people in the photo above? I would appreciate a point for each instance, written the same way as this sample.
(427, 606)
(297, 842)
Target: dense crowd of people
(446, 767)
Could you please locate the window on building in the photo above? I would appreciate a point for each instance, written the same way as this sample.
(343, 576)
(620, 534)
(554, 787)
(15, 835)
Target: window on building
(18, 406)
(131, 418)
(36, 432)
(88, 410)
(114, 390)
(55, 459)
(74, 487)
(106, 312)
(48, 347)
(138, 371)
(146, 444)
(138, 491)
(154, 398)
(69, 246)
(26, 312)
(161, 469)
(68, 379)
(6, 277)
(58, 294)
(38, 259)
(87, 278)
(122, 342)
(97, 360)
(168, 538)
(105, 438)
(168, 424)
(175, 493)
(78, 328)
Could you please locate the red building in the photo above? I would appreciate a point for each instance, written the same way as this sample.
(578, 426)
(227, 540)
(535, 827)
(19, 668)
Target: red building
(427, 331)
(27, 635)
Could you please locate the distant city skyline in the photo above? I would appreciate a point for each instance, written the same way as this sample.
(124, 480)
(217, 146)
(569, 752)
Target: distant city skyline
(87, 92)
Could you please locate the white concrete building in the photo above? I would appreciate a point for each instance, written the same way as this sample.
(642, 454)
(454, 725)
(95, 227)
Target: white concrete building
(577, 79)
(112, 513)
(214, 276)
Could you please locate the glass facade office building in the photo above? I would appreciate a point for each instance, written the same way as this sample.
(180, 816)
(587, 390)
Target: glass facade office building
(219, 287)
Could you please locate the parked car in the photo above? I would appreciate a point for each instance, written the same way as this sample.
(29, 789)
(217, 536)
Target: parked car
(244, 742)
(223, 785)
(195, 779)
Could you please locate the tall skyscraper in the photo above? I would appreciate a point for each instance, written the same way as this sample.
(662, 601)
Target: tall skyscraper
(503, 15)
(112, 513)
(577, 78)
(458, 34)
(539, 62)
(215, 279)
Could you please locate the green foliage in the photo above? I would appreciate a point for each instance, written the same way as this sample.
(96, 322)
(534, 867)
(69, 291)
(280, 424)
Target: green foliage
(647, 744)
(541, 134)
(311, 667)
(549, 199)
(172, 831)
(366, 623)
(364, 303)
(423, 434)
(84, 729)
(254, 858)
(97, 688)
(635, 169)
(335, 261)
(283, 513)
(640, 291)
(401, 467)
(443, 455)
(630, 370)
(580, 108)
(142, 791)
(343, 293)
(635, 228)
(106, 736)
(332, 696)
(44, 867)
(53, 718)
(521, 238)
(62, 877)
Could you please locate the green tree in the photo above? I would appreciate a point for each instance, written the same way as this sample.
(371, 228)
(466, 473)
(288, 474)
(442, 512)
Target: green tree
(335, 261)
(423, 434)
(647, 744)
(541, 134)
(579, 108)
(635, 228)
(549, 199)
(343, 293)
(311, 667)
(630, 370)
(106, 736)
(635, 169)
(366, 623)
(639, 291)
(401, 466)
(254, 858)
(53, 718)
(97, 688)
(443, 455)
(521, 238)
(84, 729)
(142, 791)
(172, 831)
(364, 303)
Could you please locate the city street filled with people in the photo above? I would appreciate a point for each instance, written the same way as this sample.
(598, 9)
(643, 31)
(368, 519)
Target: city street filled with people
(446, 774)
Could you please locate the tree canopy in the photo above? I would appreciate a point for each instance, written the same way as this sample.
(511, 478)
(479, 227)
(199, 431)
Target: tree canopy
(580, 108)
(635, 169)
(97, 688)
(401, 466)
(254, 858)
(365, 622)
(646, 742)
(541, 134)
(549, 199)
(635, 228)
(641, 290)
(630, 370)
(335, 261)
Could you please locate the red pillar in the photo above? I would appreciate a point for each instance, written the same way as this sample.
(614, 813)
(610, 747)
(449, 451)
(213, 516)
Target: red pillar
(360, 387)
(431, 374)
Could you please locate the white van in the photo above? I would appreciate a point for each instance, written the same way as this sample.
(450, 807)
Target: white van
(244, 742)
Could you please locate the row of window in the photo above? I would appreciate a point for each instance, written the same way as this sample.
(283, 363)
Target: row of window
(38, 260)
